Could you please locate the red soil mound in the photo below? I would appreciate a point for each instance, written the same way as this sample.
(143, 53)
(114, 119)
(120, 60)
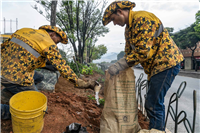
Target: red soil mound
(71, 105)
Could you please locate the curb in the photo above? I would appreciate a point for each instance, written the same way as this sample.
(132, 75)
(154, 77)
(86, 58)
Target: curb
(189, 74)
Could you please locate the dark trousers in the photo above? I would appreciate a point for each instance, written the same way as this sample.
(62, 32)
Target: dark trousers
(158, 86)
(12, 89)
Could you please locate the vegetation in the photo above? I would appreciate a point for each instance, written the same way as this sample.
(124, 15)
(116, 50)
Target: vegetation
(87, 70)
(120, 55)
(197, 23)
(81, 20)
(170, 30)
(95, 52)
(63, 54)
(188, 37)
(96, 69)
(91, 97)
(74, 67)
(101, 100)
(83, 69)
(101, 79)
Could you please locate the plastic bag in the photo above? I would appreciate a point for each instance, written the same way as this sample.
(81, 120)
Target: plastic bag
(75, 128)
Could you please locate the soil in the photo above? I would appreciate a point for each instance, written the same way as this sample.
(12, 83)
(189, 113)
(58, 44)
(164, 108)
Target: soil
(69, 105)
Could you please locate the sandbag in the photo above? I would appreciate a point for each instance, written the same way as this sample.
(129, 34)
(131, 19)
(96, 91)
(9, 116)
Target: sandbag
(120, 112)
(154, 131)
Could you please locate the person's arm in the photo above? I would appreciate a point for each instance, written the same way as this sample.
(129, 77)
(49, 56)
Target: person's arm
(3, 45)
(144, 34)
(55, 58)
(139, 48)
(49, 66)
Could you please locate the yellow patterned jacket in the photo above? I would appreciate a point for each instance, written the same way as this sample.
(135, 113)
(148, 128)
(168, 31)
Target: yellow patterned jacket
(28, 49)
(148, 43)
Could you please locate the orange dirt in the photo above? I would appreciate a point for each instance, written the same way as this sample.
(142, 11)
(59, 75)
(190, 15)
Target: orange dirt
(71, 105)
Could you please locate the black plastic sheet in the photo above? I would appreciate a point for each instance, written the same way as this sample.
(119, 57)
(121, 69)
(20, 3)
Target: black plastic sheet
(75, 128)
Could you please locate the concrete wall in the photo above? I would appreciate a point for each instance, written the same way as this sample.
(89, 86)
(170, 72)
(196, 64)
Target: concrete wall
(188, 63)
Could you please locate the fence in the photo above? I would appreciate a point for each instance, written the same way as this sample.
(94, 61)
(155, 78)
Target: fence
(142, 85)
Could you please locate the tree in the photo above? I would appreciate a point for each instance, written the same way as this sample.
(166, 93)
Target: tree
(68, 51)
(53, 13)
(170, 30)
(63, 54)
(97, 52)
(197, 26)
(93, 52)
(113, 61)
(120, 55)
(80, 19)
(90, 48)
(187, 37)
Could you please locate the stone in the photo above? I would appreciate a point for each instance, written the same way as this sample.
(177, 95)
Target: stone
(50, 80)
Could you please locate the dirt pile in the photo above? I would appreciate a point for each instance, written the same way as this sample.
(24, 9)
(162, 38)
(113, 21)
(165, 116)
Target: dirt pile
(66, 108)
(65, 86)
(71, 105)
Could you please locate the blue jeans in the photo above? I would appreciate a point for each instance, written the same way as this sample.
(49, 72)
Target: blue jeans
(154, 102)
(12, 88)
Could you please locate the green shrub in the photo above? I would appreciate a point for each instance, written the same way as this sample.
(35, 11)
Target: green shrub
(90, 97)
(83, 68)
(100, 79)
(74, 68)
(101, 100)
(87, 70)
(96, 69)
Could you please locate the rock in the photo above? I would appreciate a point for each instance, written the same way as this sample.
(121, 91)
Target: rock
(50, 80)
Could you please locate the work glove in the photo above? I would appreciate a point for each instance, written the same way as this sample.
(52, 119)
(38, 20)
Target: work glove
(118, 66)
(86, 84)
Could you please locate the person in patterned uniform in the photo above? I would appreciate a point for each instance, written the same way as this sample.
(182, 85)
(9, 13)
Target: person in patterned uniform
(147, 43)
(28, 49)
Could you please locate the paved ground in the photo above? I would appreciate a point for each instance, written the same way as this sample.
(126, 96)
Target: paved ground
(186, 73)
(186, 101)
(190, 73)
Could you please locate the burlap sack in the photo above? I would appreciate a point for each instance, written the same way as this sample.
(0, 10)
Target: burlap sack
(154, 131)
(120, 112)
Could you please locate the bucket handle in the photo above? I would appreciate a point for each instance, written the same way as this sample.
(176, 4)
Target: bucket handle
(45, 113)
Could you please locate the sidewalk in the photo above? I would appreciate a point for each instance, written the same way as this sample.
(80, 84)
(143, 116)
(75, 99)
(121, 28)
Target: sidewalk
(190, 73)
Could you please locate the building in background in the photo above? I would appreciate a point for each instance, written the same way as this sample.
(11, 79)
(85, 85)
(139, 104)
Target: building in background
(188, 63)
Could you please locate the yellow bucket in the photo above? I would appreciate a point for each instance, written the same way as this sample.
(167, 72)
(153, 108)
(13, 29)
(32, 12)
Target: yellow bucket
(27, 110)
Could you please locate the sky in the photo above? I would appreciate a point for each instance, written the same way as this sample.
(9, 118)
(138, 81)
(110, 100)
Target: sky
(178, 14)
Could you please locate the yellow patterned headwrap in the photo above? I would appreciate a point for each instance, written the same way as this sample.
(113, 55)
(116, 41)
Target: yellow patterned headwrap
(58, 31)
(113, 7)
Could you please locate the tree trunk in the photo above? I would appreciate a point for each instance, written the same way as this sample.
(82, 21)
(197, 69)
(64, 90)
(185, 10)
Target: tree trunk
(53, 13)
(195, 61)
(88, 54)
(195, 64)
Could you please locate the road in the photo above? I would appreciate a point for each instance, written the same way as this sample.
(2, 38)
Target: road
(185, 101)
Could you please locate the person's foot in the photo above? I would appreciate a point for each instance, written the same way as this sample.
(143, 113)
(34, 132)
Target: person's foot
(5, 96)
